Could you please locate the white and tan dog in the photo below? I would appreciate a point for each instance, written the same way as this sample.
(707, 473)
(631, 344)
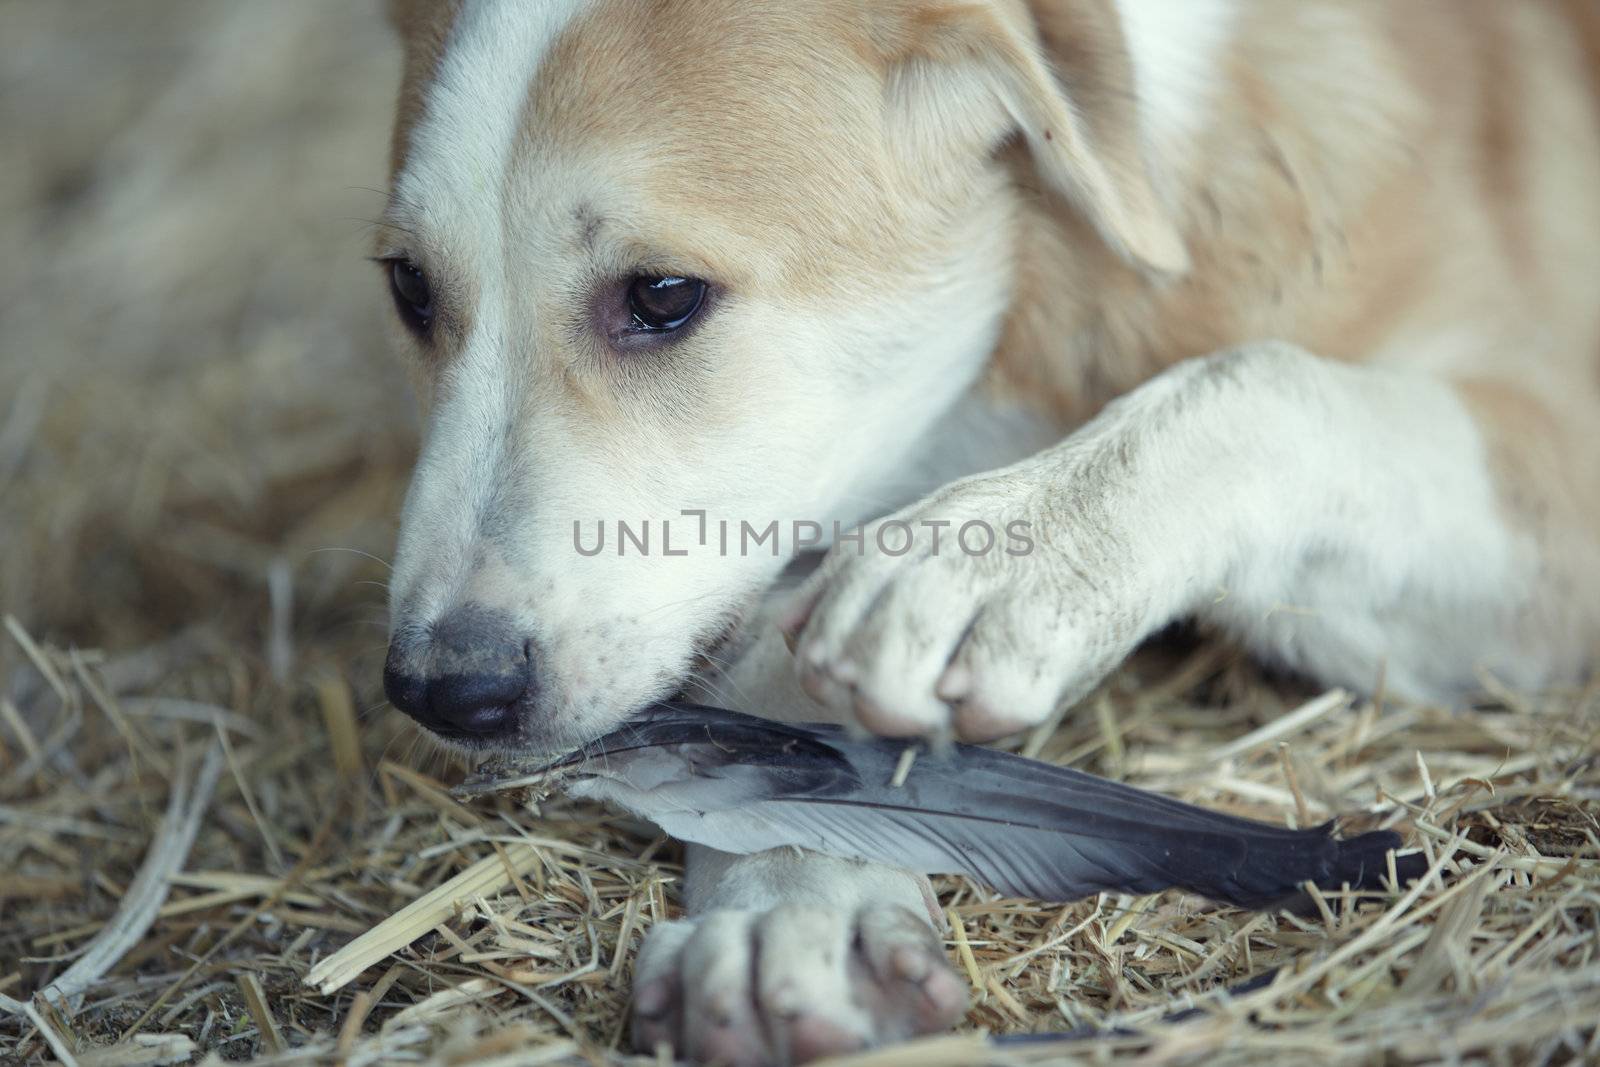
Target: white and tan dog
(1283, 315)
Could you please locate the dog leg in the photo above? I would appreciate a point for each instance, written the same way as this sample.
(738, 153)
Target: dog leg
(1345, 520)
(788, 956)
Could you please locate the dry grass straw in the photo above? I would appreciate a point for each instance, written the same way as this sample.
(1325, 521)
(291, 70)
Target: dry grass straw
(202, 446)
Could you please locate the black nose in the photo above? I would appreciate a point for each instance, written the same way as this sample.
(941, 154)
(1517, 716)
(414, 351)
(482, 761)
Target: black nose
(464, 678)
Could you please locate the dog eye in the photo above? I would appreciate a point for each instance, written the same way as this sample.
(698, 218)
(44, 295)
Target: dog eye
(412, 295)
(664, 304)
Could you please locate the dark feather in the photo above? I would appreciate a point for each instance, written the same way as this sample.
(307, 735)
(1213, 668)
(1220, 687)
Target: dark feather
(1026, 828)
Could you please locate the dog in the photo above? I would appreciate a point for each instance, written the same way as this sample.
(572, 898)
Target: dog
(1285, 317)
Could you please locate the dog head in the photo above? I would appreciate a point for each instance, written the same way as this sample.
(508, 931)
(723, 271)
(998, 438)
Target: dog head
(701, 264)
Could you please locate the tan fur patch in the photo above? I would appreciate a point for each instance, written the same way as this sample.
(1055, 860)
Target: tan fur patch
(1344, 210)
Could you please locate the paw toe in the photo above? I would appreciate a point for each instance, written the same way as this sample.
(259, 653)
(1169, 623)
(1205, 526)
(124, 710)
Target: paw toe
(899, 719)
(915, 985)
(811, 1037)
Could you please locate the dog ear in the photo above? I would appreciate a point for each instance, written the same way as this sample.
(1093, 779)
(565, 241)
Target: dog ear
(979, 69)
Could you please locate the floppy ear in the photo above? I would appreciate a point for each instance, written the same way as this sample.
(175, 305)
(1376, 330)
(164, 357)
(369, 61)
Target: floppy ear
(980, 66)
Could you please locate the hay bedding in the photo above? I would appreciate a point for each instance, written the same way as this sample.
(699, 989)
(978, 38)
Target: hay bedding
(195, 408)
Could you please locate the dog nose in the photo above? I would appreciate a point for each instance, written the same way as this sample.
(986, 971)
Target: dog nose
(468, 703)
(464, 679)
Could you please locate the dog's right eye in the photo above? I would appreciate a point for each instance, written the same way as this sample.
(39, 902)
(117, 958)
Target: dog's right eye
(662, 305)
(413, 297)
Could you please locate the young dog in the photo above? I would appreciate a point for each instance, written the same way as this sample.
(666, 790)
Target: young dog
(1286, 316)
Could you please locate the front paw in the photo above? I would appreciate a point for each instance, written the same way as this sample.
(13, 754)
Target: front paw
(744, 988)
(974, 635)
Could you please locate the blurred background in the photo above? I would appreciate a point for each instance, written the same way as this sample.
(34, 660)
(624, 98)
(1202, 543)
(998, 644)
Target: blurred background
(196, 403)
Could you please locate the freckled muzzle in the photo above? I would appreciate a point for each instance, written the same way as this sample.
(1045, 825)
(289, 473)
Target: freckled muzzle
(464, 677)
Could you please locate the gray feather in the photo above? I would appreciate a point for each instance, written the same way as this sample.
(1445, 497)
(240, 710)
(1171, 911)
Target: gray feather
(1025, 828)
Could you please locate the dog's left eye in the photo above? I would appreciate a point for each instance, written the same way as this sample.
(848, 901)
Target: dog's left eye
(664, 304)
(413, 297)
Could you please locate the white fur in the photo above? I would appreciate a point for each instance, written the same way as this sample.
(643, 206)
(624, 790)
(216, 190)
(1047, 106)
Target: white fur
(1258, 487)
(449, 188)
(1176, 47)
(462, 145)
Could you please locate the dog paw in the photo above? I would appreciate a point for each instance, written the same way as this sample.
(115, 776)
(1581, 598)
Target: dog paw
(745, 988)
(1004, 606)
